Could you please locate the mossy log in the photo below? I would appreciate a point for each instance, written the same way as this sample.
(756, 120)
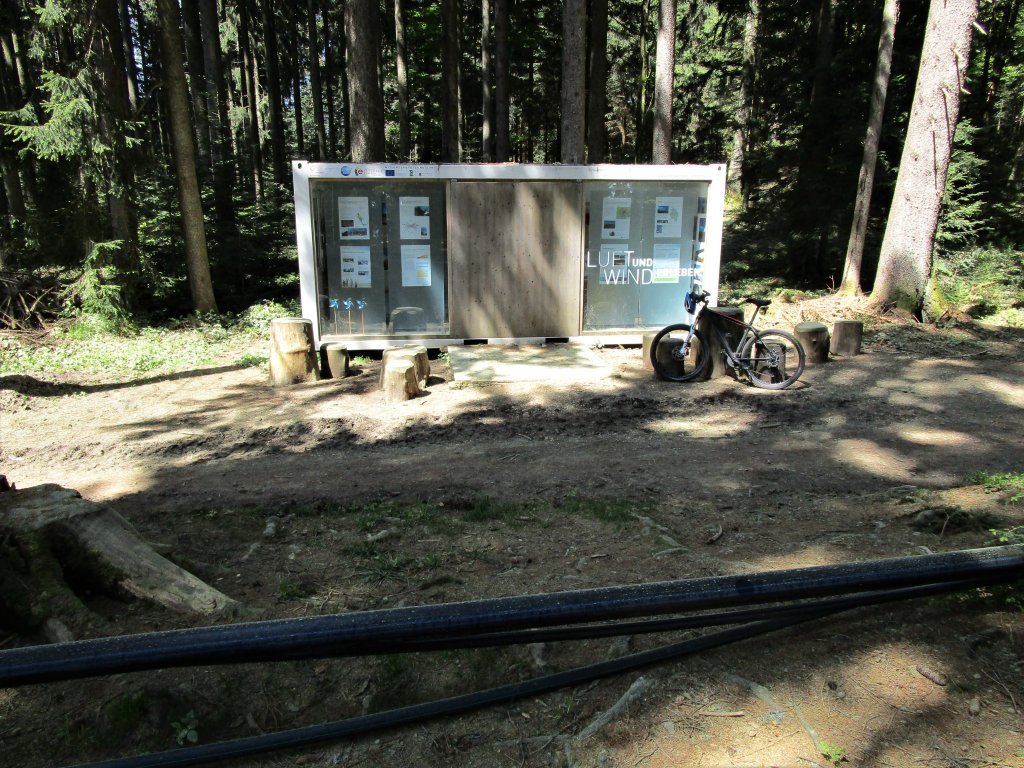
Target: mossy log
(416, 354)
(53, 541)
(814, 338)
(292, 359)
(400, 381)
(847, 336)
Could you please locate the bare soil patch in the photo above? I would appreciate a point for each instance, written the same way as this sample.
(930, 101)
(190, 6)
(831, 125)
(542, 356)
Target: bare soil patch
(324, 498)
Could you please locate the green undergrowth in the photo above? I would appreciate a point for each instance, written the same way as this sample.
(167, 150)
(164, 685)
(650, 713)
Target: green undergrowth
(85, 347)
(1012, 484)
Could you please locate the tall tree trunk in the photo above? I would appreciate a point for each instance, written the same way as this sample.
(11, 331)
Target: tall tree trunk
(217, 111)
(501, 81)
(300, 139)
(664, 71)
(574, 23)
(812, 212)
(274, 100)
(197, 82)
(328, 85)
(486, 75)
(362, 61)
(196, 259)
(597, 79)
(850, 285)
(739, 177)
(345, 118)
(905, 263)
(402, 81)
(451, 106)
(132, 67)
(255, 134)
(639, 152)
(316, 91)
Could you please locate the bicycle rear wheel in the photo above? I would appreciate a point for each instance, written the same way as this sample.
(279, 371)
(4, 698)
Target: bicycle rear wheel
(676, 360)
(774, 358)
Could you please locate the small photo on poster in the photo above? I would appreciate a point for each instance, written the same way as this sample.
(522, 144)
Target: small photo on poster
(355, 266)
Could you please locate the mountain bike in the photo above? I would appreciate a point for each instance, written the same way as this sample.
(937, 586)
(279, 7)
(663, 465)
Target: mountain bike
(770, 359)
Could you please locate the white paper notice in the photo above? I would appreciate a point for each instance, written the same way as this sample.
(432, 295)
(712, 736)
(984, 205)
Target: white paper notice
(414, 218)
(666, 263)
(668, 217)
(354, 218)
(415, 266)
(615, 214)
(355, 266)
(613, 262)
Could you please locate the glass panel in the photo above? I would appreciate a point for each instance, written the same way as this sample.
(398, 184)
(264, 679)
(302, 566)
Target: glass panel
(381, 255)
(644, 251)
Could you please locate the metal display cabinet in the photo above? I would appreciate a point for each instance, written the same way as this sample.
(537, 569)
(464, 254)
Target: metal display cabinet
(447, 254)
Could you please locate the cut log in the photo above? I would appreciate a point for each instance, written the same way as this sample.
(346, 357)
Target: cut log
(400, 381)
(417, 354)
(49, 531)
(727, 320)
(292, 358)
(814, 338)
(846, 337)
(334, 361)
(668, 345)
(645, 361)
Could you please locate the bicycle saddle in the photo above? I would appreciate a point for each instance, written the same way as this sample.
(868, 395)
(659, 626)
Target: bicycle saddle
(758, 302)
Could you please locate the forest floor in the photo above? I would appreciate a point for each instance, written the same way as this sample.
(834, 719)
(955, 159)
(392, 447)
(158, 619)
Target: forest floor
(323, 498)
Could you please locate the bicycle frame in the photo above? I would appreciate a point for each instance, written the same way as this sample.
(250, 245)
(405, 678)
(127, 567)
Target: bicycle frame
(727, 349)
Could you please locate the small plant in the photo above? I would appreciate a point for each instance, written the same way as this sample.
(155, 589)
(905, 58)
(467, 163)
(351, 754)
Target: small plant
(186, 730)
(832, 752)
(252, 360)
(1000, 481)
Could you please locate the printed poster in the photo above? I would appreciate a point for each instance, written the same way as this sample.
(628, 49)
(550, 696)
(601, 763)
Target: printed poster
(617, 260)
(416, 266)
(668, 217)
(666, 263)
(354, 218)
(615, 215)
(355, 266)
(414, 218)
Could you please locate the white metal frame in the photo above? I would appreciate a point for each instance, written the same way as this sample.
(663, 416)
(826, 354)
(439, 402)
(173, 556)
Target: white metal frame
(303, 172)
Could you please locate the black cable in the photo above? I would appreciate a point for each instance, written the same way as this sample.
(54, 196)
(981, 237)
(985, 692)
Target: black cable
(365, 632)
(305, 736)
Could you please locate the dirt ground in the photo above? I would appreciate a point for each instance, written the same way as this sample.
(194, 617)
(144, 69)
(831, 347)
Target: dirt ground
(323, 498)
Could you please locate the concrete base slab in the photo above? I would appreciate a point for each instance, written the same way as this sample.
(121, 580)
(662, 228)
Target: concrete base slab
(553, 363)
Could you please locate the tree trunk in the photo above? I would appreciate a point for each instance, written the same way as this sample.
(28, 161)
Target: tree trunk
(501, 81)
(362, 62)
(217, 112)
(597, 78)
(300, 139)
(573, 102)
(292, 357)
(486, 74)
(197, 82)
(274, 100)
(905, 263)
(664, 70)
(451, 107)
(132, 67)
(850, 285)
(328, 86)
(314, 81)
(254, 134)
(402, 81)
(739, 177)
(192, 225)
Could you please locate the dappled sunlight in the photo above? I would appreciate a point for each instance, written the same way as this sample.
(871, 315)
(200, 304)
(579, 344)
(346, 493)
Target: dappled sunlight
(886, 463)
(943, 438)
(707, 425)
(805, 557)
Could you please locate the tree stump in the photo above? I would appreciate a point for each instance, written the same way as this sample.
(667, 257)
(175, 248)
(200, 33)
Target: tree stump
(846, 337)
(717, 319)
(334, 361)
(814, 338)
(665, 349)
(399, 380)
(48, 532)
(292, 359)
(417, 354)
(645, 361)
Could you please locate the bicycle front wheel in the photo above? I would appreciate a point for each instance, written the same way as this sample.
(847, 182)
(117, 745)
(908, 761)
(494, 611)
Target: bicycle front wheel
(774, 359)
(676, 359)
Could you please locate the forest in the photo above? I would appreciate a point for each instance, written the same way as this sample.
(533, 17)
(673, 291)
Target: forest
(145, 144)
